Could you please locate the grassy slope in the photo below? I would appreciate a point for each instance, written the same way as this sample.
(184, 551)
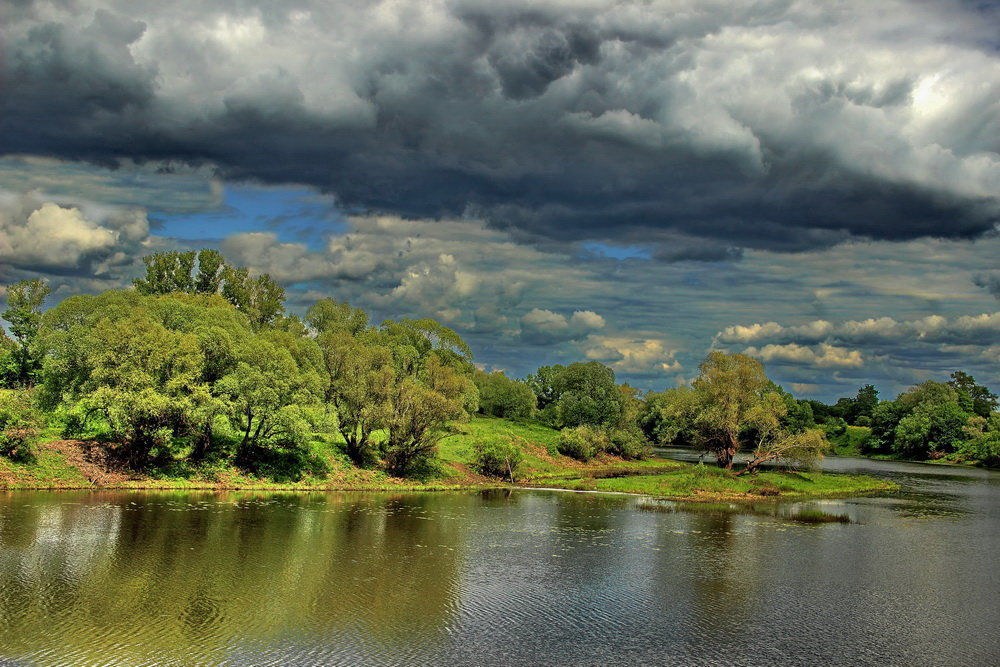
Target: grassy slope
(57, 466)
(851, 441)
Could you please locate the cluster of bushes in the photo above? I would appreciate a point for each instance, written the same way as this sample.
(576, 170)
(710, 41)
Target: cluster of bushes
(584, 442)
(19, 425)
(201, 362)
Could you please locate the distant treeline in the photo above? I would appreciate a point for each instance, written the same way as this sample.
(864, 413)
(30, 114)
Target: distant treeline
(200, 362)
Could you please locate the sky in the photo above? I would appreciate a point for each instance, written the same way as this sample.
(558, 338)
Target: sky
(638, 183)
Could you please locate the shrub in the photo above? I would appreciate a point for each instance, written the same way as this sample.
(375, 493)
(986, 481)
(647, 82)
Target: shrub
(19, 425)
(629, 443)
(583, 442)
(497, 457)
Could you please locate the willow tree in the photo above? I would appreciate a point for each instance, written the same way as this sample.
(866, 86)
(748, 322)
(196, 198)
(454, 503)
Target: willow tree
(735, 405)
(358, 378)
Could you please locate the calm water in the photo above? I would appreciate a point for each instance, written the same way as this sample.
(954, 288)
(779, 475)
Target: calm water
(525, 577)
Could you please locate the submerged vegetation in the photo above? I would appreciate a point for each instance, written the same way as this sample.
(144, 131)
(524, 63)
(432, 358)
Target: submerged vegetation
(197, 377)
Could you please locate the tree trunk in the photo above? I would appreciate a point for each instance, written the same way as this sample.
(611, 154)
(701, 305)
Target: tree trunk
(726, 453)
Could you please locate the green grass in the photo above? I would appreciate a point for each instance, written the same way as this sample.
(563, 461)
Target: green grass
(852, 441)
(698, 482)
(49, 470)
(330, 469)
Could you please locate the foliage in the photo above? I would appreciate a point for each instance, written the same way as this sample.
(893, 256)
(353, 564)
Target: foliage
(24, 313)
(578, 394)
(421, 407)
(733, 397)
(500, 396)
(260, 298)
(983, 443)
(357, 377)
(583, 442)
(497, 457)
(667, 417)
(929, 419)
(730, 406)
(628, 443)
(19, 425)
(973, 397)
(8, 361)
(330, 316)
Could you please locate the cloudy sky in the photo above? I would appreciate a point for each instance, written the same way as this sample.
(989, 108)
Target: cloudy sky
(815, 183)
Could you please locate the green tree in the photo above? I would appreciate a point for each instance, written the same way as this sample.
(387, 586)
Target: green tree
(358, 378)
(265, 392)
(211, 270)
(328, 315)
(19, 424)
(260, 298)
(581, 393)
(500, 396)
(973, 397)
(144, 380)
(735, 403)
(8, 361)
(167, 272)
(24, 313)
(421, 409)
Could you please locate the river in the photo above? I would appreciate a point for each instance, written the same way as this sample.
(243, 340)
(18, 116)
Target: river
(518, 577)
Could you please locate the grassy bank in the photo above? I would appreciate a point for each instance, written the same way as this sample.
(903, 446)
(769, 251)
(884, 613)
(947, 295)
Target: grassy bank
(73, 464)
(708, 484)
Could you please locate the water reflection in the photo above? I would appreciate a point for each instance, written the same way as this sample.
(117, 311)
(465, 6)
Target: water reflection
(511, 577)
(138, 575)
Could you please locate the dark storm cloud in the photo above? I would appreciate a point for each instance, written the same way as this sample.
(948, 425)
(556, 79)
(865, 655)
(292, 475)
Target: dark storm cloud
(990, 281)
(775, 125)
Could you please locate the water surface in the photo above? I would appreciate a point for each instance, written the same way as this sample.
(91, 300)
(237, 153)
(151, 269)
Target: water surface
(521, 577)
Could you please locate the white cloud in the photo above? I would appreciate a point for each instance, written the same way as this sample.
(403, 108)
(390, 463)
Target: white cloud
(36, 234)
(541, 327)
(929, 329)
(633, 356)
(822, 355)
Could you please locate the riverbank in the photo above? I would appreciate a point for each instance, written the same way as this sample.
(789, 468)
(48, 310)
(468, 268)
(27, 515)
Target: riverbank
(81, 464)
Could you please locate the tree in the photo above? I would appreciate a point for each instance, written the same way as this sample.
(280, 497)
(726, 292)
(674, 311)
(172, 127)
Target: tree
(167, 272)
(735, 403)
(581, 393)
(327, 316)
(421, 407)
(211, 270)
(260, 298)
(973, 397)
(932, 417)
(8, 361)
(358, 378)
(265, 392)
(500, 396)
(24, 313)
(143, 379)
(668, 417)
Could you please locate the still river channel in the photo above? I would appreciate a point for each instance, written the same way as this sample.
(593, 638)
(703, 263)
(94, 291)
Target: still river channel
(520, 577)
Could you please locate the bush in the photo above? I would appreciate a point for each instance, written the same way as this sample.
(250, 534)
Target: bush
(629, 443)
(287, 465)
(583, 442)
(984, 448)
(75, 420)
(19, 425)
(497, 457)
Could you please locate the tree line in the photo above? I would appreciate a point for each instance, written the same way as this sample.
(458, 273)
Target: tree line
(200, 362)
